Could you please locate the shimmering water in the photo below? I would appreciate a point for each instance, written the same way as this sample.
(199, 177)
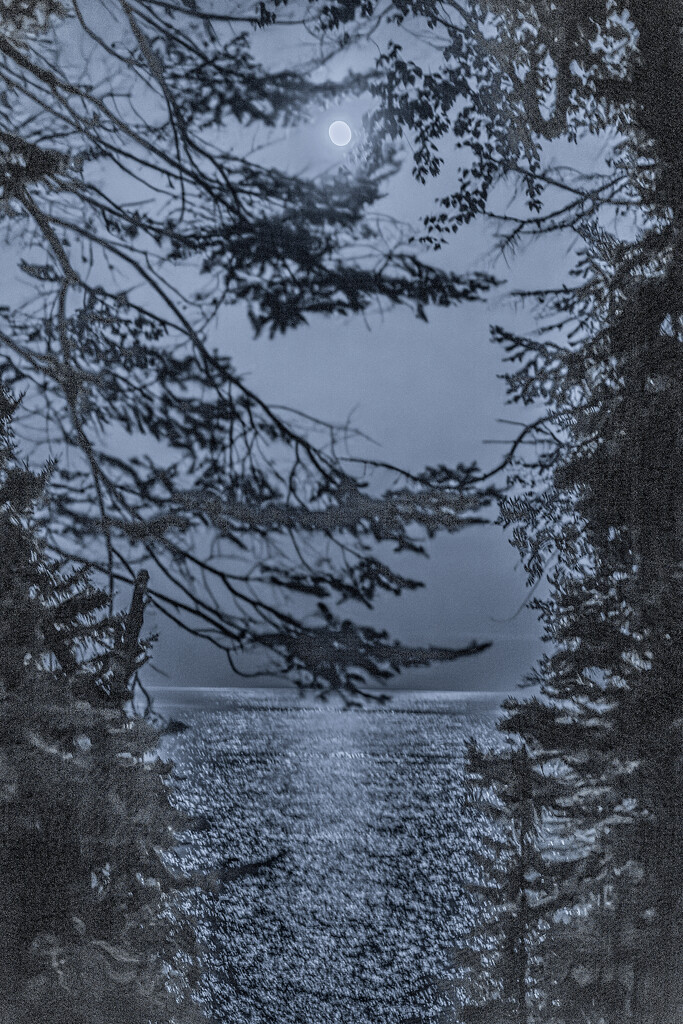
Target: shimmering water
(356, 920)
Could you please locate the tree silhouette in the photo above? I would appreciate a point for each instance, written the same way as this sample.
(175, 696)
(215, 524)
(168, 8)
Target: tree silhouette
(595, 508)
(88, 928)
(500, 951)
(138, 212)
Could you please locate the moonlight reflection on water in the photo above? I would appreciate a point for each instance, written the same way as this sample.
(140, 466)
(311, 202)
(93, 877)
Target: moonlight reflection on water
(355, 921)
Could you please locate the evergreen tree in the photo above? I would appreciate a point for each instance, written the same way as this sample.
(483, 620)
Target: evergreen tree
(88, 931)
(506, 953)
(597, 509)
(496, 948)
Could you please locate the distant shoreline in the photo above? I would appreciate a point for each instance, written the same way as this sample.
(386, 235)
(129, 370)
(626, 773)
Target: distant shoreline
(180, 699)
(290, 688)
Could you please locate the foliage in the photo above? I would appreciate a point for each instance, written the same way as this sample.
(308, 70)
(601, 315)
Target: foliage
(139, 212)
(86, 824)
(596, 510)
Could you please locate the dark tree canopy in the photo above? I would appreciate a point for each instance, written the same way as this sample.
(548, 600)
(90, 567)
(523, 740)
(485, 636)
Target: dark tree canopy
(88, 930)
(595, 504)
(137, 212)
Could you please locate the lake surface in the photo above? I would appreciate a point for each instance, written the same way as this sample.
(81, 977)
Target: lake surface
(356, 921)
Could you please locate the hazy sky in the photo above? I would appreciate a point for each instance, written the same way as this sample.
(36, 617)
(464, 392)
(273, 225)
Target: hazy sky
(426, 394)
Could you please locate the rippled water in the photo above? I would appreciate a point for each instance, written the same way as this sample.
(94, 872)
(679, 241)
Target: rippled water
(355, 922)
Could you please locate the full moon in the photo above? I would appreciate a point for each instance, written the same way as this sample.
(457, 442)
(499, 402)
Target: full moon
(340, 133)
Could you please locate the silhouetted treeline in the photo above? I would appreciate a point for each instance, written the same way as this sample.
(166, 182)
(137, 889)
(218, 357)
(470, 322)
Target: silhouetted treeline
(88, 931)
(581, 863)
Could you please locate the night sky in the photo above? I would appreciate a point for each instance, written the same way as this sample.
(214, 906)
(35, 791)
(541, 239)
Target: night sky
(425, 393)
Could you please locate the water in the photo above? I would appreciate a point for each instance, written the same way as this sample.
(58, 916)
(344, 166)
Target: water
(356, 921)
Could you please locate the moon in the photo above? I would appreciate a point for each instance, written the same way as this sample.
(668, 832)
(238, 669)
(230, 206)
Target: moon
(340, 133)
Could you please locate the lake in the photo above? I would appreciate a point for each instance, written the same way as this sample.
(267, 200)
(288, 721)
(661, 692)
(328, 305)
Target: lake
(356, 918)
